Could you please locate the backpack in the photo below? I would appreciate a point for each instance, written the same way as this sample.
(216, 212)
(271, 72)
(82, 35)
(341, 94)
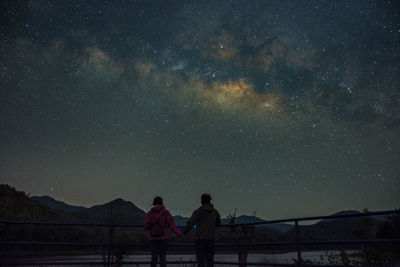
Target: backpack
(156, 229)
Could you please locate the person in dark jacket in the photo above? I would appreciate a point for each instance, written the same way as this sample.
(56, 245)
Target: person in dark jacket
(157, 222)
(206, 218)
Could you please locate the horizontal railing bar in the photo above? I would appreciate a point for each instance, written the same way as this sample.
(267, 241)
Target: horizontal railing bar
(139, 262)
(252, 263)
(362, 241)
(238, 244)
(18, 263)
(314, 218)
(72, 224)
(28, 243)
(242, 244)
(322, 242)
(52, 262)
(363, 214)
(277, 264)
(21, 263)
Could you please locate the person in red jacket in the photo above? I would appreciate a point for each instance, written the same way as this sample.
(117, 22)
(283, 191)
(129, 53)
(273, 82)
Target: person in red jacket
(157, 222)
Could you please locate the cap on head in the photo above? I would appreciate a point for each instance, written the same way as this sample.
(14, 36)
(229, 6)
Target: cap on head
(205, 198)
(157, 201)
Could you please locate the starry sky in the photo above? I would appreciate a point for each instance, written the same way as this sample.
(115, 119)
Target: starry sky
(286, 108)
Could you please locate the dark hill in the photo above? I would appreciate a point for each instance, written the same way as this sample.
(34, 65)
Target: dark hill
(116, 211)
(352, 212)
(15, 205)
(283, 227)
(339, 229)
(57, 205)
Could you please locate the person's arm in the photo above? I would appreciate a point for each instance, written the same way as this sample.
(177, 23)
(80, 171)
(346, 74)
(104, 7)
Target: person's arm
(192, 221)
(218, 221)
(172, 225)
(147, 222)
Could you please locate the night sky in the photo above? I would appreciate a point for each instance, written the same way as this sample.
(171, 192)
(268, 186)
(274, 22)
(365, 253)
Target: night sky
(289, 108)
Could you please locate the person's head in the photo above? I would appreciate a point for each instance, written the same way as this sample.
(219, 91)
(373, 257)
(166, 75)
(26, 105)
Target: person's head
(157, 201)
(205, 198)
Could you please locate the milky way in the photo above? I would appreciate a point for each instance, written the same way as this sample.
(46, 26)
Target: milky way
(289, 108)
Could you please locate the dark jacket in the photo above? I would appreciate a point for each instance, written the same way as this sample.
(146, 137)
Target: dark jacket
(206, 219)
(159, 213)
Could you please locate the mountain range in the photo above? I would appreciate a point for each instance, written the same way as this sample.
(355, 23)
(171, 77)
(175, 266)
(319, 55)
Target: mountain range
(15, 205)
(116, 211)
(128, 212)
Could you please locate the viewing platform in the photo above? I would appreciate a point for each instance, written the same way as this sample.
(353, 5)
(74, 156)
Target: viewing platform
(241, 250)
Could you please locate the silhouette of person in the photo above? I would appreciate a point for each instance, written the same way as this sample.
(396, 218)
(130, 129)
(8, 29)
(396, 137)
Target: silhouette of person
(205, 219)
(157, 222)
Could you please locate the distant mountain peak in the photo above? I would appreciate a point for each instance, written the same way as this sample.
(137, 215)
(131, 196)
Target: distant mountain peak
(119, 207)
(119, 200)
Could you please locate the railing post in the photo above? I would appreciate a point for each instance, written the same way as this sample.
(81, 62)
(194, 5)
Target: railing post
(296, 226)
(4, 246)
(109, 245)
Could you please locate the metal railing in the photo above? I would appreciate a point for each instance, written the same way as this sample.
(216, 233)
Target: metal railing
(109, 245)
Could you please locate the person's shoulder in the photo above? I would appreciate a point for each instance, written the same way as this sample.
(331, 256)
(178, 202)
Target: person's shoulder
(196, 211)
(199, 209)
(167, 213)
(150, 214)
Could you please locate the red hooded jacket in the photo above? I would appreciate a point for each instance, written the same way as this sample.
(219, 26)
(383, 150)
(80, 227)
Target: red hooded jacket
(159, 213)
